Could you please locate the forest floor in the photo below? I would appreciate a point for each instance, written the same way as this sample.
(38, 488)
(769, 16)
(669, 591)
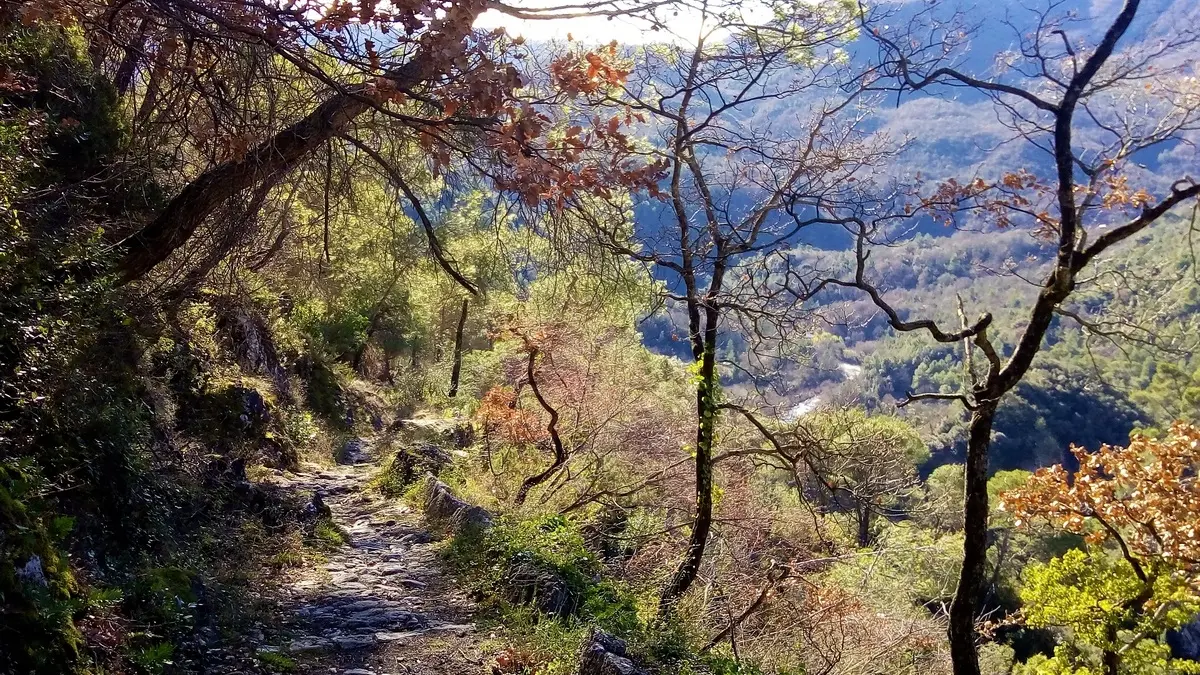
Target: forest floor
(381, 604)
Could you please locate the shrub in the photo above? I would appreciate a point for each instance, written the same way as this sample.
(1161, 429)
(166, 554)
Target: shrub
(37, 591)
(154, 658)
(546, 586)
(327, 536)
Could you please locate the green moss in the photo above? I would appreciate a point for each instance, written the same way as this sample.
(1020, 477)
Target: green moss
(390, 480)
(405, 472)
(416, 495)
(287, 560)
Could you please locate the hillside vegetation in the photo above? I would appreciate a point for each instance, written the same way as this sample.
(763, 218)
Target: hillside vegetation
(344, 337)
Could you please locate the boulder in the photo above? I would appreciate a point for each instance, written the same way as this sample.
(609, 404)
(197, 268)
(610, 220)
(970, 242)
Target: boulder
(463, 435)
(529, 584)
(32, 573)
(415, 460)
(354, 452)
(315, 509)
(605, 654)
(604, 535)
(255, 409)
(456, 432)
(444, 507)
(253, 347)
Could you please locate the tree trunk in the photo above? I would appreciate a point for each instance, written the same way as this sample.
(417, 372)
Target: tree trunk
(1112, 659)
(1112, 662)
(456, 369)
(1001, 559)
(864, 526)
(706, 416)
(131, 56)
(184, 214)
(560, 451)
(975, 524)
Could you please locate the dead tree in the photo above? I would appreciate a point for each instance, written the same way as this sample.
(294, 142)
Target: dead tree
(456, 369)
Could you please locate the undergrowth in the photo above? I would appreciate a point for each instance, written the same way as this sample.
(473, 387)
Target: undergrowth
(277, 662)
(327, 535)
(551, 552)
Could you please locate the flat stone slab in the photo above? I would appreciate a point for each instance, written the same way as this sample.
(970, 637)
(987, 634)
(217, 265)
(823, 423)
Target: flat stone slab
(309, 644)
(350, 643)
(394, 637)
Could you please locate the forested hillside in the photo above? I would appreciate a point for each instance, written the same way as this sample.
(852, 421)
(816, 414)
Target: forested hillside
(773, 338)
(1126, 367)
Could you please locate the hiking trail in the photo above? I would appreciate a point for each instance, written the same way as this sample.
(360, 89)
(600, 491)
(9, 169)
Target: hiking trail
(382, 604)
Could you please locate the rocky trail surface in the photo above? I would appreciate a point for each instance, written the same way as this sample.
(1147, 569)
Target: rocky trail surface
(381, 604)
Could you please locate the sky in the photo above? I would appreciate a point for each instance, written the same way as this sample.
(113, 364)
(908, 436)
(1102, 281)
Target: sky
(595, 29)
(682, 23)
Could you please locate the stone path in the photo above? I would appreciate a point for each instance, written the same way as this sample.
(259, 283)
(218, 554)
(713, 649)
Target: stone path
(381, 605)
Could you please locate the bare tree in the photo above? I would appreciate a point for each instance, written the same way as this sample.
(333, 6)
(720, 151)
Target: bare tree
(726, 207)
(1090, 109)
(456, 369)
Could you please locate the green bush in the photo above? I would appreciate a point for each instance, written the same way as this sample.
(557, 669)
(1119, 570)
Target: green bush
(725, 664)
(164, 601)
(391, 480)
(551, 543)
(327, 536)
(556, 546)
(153, 658)
(36, 621)
(323, 392)
(235, 414)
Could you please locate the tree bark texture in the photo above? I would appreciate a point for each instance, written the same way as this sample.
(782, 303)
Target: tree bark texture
(975, 512)
(706, 413)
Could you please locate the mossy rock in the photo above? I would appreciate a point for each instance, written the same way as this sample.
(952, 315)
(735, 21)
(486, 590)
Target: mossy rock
(445, 508)
(233, 413)
(605, 654)
(412, 462)
(527, 582)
